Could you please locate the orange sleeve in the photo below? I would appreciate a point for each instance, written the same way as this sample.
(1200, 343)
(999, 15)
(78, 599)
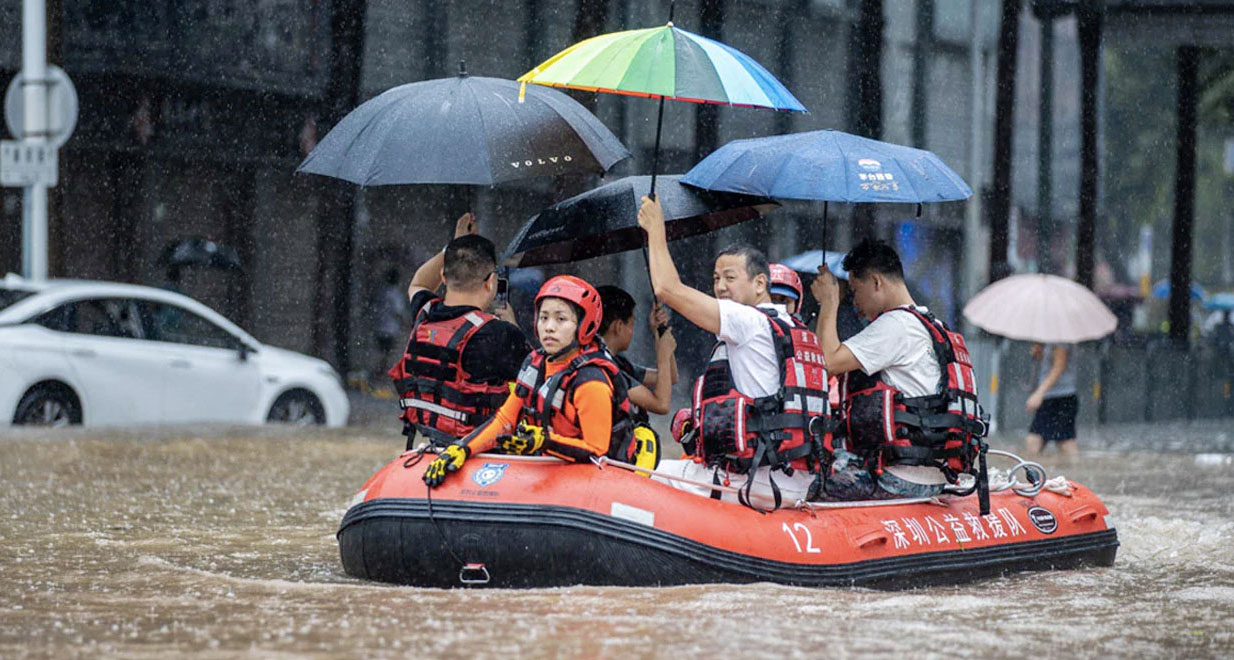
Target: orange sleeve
(593, 403)
(485, 437)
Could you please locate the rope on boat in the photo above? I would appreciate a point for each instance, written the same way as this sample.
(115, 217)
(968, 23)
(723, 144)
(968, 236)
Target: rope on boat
(802, 505)
(1034, 474)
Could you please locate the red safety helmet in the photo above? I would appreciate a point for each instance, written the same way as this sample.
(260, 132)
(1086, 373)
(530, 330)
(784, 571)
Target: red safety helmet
(785, 277)
(579, 292)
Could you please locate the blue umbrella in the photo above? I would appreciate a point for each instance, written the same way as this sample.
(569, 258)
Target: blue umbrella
(1161, 290)
(809, 261)
(464, 130)
(828, 166)
(1220, 301)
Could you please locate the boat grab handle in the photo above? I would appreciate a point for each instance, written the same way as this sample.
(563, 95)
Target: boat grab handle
(874, 537)
(474, 573)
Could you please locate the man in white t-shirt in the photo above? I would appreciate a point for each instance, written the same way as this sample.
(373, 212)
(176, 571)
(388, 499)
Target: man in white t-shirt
(740, 282)
(895, 346)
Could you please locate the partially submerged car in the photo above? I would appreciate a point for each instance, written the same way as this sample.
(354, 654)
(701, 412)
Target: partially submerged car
(104, 353)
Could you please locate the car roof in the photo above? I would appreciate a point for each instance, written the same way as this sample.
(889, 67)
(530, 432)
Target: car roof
(50, 293)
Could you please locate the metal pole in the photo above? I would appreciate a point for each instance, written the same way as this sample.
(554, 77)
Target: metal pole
(976, 173)
(34, 98)
(1045, 147)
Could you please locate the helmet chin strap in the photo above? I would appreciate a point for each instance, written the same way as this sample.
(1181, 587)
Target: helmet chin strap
(569, 347)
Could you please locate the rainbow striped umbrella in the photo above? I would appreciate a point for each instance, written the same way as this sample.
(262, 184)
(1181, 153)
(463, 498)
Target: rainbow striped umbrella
(664, 63)
(667, 63)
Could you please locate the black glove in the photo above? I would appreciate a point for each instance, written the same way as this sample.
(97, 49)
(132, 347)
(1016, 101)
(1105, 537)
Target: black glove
(449, 460)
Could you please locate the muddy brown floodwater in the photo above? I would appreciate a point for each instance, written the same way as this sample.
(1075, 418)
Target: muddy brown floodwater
(220, 543)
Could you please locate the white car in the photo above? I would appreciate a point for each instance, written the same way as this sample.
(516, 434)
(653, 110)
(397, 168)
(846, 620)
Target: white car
(83, 352)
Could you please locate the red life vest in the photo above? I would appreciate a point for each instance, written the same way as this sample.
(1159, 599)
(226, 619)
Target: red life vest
(438, 397)
(544, 401)
(944, 429)
(742, 433)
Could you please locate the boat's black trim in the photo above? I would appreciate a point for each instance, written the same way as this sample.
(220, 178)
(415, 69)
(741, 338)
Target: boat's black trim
(393, 540)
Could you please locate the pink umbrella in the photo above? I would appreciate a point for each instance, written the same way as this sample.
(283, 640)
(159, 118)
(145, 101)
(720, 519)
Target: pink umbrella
(1043, 308)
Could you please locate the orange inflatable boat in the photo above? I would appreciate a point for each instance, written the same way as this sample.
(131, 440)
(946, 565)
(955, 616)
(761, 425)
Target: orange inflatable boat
(510, 521)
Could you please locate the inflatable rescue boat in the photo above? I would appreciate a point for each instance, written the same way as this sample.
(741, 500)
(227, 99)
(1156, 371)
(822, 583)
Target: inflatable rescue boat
(511, 521)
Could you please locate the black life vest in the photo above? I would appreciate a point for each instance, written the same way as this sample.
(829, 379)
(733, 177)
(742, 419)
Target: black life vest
(945, 429)
(544, 401)
(438, 397)
(742, 433)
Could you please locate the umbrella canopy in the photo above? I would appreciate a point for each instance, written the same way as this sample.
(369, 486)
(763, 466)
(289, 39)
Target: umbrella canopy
(810, 260)
(464, 130)
(828, 166)
(1220, 301)
(1161, 290)
(604, 220)
(198, 251)
(1039, 307)
(664, 62)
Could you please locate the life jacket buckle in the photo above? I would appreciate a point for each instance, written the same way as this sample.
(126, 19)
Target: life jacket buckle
(473, 573)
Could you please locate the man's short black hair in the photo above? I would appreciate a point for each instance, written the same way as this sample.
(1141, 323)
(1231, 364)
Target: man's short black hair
(618, 306)
(469, 261)
(756, 261)
(873, 256)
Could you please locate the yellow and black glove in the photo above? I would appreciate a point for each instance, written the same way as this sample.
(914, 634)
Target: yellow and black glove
(527, 439)
(449, 460)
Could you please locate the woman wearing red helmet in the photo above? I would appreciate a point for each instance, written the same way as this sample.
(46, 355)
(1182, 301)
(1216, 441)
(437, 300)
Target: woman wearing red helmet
(569, 400)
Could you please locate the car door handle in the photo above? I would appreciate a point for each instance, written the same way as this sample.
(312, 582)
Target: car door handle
(181, 364)
(84, 352)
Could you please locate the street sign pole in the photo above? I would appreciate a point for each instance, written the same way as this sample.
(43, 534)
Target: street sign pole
(34, 96)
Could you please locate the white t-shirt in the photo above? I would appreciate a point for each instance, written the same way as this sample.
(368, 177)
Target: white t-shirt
(750, 347)
(898, 345)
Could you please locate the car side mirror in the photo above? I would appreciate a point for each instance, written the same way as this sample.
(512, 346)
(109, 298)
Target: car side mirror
(244, 350)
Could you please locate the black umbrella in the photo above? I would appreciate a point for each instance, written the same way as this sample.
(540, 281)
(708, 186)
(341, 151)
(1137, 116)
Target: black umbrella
(198, 251)
(464, 130)
(605, 220)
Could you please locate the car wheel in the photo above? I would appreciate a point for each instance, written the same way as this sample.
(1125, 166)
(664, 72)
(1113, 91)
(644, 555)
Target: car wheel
(48, 405)
(298, 408)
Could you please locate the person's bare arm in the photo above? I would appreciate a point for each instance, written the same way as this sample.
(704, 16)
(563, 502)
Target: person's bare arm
(699, 308)
(666, 347)
(1057, 367)
(826, 291)
(428, 276)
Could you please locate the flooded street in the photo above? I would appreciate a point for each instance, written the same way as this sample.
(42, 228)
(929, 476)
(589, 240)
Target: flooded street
(144, 543)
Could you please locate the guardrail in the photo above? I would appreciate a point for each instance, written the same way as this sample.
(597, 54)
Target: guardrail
(1115, 384)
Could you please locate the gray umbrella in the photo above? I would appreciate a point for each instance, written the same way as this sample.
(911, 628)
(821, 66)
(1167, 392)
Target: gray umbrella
(464, 130)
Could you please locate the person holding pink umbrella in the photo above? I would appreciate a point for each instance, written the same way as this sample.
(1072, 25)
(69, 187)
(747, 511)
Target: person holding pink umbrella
(1054, 402)
(1054, 313)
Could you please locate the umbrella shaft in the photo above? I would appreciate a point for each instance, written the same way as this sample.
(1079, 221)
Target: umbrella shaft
(655, 154)
(824, 232)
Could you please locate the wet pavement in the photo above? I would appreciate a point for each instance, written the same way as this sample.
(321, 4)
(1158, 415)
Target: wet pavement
(220, 543)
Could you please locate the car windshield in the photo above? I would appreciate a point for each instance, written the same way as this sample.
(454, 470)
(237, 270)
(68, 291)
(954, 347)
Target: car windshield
(10, 296)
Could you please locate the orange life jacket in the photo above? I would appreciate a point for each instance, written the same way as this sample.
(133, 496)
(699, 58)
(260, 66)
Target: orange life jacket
(945, 429)
(544, 401)
(438, 397)
(742, 433)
